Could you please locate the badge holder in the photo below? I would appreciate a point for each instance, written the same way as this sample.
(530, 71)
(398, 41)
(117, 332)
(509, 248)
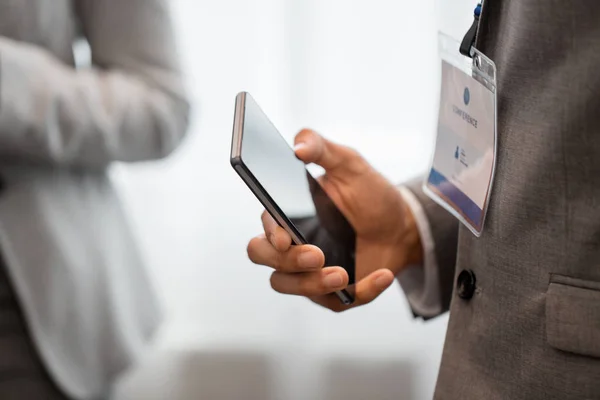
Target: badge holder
(462, 169)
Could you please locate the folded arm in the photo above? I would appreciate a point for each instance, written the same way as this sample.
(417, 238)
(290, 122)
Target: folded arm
(130, 106)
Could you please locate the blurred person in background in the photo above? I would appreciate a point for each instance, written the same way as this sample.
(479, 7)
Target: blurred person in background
(76, 305)
(524, 298)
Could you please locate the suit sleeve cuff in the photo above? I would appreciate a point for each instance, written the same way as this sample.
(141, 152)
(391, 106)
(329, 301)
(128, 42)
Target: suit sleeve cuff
(421, 283)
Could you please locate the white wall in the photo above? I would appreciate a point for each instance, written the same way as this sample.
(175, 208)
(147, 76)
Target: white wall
(363, 73)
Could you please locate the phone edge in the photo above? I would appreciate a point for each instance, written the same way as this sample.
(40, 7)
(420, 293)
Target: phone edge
(238, 123)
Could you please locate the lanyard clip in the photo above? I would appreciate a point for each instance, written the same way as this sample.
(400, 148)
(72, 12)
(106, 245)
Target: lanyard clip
(469, 40)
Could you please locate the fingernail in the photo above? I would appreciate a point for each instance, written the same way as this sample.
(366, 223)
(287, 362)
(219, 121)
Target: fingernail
(308, 260)
(299, 146)
(382, 281)
(333, 280)
(272, 239)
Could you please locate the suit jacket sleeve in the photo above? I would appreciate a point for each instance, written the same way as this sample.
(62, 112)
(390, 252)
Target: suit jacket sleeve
(443, 228)
(130, 106)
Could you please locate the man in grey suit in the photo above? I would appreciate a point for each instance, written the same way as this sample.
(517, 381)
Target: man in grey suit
(524, 298)
(76, 304)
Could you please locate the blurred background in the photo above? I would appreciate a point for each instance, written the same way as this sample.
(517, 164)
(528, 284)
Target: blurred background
(361, 73)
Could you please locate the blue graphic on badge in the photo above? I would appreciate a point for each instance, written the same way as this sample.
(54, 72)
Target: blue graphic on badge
(456, 153)
(467, 96)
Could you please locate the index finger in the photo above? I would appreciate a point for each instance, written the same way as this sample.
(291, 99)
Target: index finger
(311, 147)
(278, 237)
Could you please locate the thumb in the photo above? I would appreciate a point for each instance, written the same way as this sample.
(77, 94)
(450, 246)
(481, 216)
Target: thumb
(373, 285)
(311, 147)
(365, 291)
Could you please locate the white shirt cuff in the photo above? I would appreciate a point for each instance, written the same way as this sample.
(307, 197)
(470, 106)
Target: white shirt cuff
(421, 282)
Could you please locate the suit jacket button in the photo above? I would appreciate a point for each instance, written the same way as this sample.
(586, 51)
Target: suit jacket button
(465, 284)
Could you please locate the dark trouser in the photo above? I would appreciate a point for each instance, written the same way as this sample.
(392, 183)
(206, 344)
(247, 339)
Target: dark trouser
(22, 374)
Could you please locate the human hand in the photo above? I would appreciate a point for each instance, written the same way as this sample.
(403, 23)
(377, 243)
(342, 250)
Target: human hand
(386, 235)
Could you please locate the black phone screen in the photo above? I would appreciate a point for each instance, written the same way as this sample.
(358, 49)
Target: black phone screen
(300, 197)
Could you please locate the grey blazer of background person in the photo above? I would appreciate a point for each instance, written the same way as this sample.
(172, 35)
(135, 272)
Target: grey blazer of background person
(69, 251)
(531, 329)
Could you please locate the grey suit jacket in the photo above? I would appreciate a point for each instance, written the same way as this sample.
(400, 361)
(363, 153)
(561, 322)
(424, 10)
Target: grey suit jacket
(69, 250)
(532, 328)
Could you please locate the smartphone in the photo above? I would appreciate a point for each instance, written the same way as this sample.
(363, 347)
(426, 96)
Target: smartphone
(289, 192)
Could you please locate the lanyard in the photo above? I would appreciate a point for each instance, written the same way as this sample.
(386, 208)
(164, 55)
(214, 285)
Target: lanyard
(469, 40)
